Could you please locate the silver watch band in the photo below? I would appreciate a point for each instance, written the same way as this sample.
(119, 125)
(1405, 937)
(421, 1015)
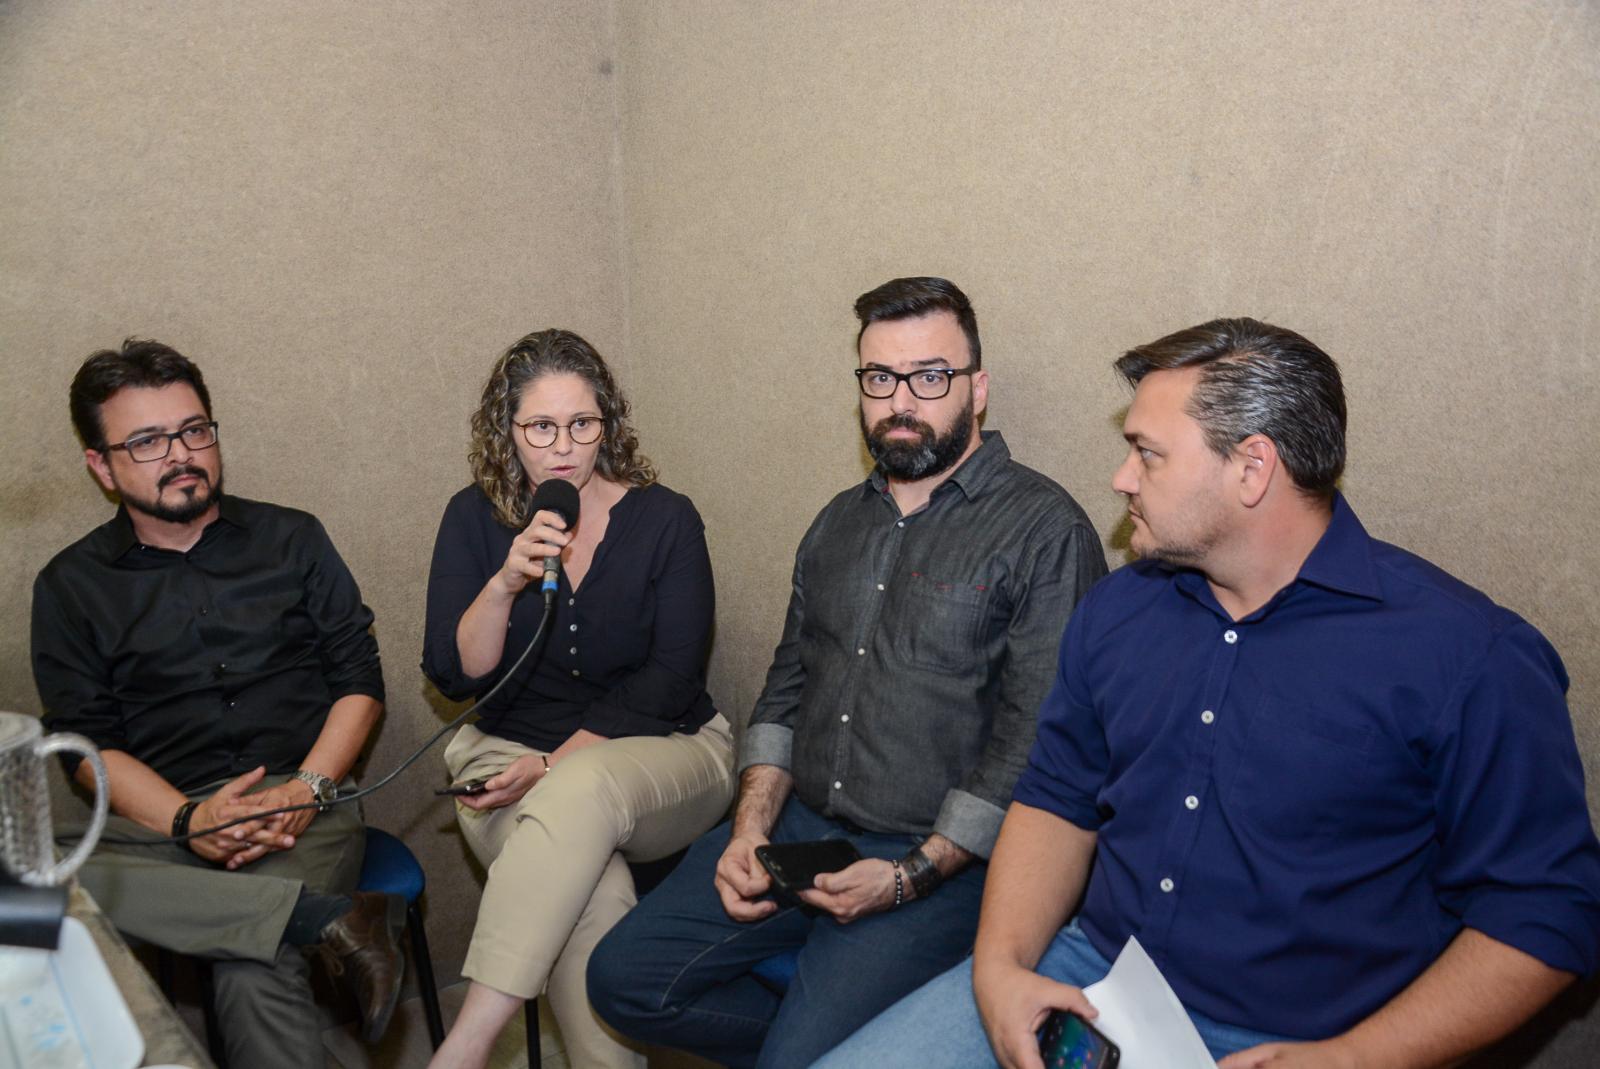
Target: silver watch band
(323, 789)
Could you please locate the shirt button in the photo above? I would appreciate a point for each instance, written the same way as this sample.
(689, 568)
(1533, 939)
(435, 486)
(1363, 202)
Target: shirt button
(900, 523)
(572, 601)
(1230, 636)
(574, 671)
(861, 652)
(574, 627)
(1191, 802)
(837, 785)
(204, 611)
(573, 650)
(844, 718)
(880, 586)
(1166, 884)
(1207, 716)
(232, 704)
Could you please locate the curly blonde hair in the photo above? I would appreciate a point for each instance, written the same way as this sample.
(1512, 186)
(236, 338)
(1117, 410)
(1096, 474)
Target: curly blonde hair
(493, 456)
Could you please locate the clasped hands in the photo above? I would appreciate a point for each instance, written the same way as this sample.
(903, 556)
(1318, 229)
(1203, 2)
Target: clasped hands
(239, 845)
(860, 889)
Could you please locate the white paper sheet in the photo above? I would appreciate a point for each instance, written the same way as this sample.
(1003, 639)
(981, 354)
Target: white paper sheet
(1140, 1014)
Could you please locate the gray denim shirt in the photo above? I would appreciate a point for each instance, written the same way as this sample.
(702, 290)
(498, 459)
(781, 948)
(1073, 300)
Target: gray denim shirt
(903, 694)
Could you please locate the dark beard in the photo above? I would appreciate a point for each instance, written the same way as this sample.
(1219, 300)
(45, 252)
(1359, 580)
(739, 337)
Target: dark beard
(196, 499)
(931, 454)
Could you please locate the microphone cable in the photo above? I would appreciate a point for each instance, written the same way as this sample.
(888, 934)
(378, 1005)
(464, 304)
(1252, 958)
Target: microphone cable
(340, 799)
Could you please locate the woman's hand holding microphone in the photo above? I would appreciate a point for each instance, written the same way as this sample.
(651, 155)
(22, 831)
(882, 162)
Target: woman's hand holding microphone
(545, 537)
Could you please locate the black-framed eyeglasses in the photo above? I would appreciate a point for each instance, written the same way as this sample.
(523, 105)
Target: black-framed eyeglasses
(926, 384)
(541, 433)
(155, 446)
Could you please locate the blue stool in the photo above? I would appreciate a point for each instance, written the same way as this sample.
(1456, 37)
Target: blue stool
(391, 867)
(777, 972)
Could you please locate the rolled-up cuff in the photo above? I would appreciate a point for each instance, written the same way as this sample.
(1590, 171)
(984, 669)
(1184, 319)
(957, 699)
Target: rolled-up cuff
(1041, 790)
(365, 688)
(969, 822)
(766, 744)
(1559, 931)
(441, 664)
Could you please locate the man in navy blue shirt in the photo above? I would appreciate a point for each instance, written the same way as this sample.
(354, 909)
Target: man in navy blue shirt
(1333, 791)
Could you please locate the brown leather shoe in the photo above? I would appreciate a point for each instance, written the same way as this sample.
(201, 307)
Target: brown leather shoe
(362, 952)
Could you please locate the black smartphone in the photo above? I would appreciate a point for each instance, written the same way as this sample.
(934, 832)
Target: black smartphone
(471, 786)
(1069, 1042)
(796, 866)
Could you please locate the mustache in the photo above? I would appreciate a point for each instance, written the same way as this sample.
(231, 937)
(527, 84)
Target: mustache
(178, 473)
(902, 421)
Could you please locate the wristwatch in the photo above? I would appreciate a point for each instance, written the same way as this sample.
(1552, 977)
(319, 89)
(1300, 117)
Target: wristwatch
(323, 789)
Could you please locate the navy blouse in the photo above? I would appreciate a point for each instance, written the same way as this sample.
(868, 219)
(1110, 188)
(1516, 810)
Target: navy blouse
(626, 651)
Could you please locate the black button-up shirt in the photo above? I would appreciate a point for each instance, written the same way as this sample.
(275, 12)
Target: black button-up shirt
(903, 694)
(208, 663)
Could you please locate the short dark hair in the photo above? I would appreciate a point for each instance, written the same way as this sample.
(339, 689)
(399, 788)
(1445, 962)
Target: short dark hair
(909, 298)
(140, 362)
(1256, 378)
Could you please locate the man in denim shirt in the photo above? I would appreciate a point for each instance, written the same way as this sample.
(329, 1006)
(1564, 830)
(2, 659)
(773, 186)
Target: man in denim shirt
(897, 715)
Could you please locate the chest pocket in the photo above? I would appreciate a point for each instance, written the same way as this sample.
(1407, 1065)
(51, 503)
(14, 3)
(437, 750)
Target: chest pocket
(1301, 776)
(938, 625)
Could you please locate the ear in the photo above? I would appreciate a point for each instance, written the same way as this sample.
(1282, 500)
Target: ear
(100, 467)
(1258, 463)
(980, 392)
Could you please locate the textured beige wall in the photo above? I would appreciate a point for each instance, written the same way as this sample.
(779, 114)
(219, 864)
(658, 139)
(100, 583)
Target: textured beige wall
(1412, 185)
(344, 210)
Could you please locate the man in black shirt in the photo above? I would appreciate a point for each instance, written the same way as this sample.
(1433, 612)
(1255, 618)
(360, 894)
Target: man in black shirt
(899, 710)
(217, 651)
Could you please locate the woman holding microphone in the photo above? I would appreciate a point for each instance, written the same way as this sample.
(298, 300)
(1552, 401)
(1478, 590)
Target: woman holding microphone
(605, 747)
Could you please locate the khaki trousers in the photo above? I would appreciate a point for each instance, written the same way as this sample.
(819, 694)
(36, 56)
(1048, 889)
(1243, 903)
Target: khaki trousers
(557, 860)
(166, 895)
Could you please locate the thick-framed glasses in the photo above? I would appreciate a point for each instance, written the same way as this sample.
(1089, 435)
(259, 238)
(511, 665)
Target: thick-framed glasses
(926, 384)
(147, 447)
(541, 433)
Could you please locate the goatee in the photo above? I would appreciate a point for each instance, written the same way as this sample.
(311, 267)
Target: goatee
(192, 503)
(930, 453)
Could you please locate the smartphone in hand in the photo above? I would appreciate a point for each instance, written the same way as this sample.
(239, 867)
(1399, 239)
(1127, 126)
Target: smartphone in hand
(1069, 1042)
(471, 786)
(794, 867)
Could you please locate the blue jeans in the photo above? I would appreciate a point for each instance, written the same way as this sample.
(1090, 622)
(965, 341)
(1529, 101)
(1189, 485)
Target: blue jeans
(938, 1026)
(676, 970)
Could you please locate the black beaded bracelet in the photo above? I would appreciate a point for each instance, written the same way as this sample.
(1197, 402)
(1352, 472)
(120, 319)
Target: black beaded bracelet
(180, 819)
(924, 874)
(899, 885)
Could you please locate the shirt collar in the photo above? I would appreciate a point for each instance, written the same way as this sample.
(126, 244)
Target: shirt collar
(231, 512)
(1341, 561)
(1342, 558)
(990, 456)
(123, 538)
(121, 533)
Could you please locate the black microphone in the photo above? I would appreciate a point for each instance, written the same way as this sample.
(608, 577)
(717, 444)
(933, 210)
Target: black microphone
(560, 497)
